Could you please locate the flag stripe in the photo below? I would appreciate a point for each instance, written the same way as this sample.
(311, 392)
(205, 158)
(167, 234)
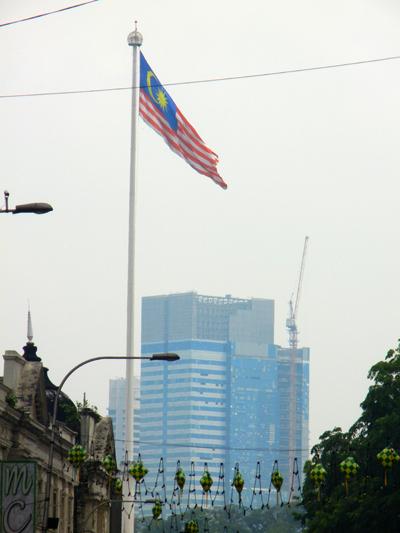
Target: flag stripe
(193, 132)
(207, 153)
(195, 144)
(171, 140)
(199, 168)
(187, 151)
(184, 139)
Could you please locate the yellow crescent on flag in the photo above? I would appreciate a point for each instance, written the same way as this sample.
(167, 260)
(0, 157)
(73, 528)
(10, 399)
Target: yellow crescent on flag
(150, 75)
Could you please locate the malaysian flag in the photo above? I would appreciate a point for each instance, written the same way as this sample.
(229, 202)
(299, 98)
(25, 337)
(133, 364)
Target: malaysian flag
(157, 108)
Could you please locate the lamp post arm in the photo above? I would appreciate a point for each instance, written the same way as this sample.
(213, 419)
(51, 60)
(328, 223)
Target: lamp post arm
(53, 426)
(83, 363)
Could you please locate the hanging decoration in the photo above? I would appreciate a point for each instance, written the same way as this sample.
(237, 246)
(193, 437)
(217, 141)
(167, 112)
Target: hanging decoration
(180, 478)
(295, 476)
(387, 457)
(219, 493)
(118, 485)
(317, 476)
(157, 509)
(238, 484)
(137, 470)
(180, 521)
(277, 480)
(206, 482)
(349, 468)
(192, 527)
(109, 465)
(177, 492)
(192, 486)
(257, 489)
(77, 455)
(159, 484)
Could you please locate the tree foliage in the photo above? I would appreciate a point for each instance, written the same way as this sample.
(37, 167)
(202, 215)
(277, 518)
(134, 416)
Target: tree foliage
(218, 520)
(371, 504)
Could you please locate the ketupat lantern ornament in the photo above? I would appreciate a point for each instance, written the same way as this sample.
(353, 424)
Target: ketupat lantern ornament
(180, 478)
(157, 509)
(77, 455)
(118, 486)
(192, 527)
(109, 465)
(349, 468)
(317, 476)
(277, 480)
(137, 470)
(387, 457)
(238, 482)
(206, 482)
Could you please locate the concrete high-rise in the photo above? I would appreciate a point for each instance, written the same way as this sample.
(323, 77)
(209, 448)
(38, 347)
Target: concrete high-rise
(301, 420)
(116, 410)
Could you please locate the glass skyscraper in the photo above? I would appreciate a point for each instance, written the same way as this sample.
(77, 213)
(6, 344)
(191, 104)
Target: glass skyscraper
(227, 399)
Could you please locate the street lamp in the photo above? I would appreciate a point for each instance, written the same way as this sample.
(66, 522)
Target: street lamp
(39, 208)
(154, 357)
(164, 357)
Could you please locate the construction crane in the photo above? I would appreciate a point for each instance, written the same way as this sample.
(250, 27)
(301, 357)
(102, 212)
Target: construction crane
(291, 324)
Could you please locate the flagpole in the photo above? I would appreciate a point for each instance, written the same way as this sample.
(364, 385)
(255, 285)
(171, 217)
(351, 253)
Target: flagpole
(135, 40)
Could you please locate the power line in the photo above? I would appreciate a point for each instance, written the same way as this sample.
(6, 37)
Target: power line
(211, 447)
(46, 14)
(208, 80)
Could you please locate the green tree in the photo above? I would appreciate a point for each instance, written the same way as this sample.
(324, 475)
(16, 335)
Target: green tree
(370, 505)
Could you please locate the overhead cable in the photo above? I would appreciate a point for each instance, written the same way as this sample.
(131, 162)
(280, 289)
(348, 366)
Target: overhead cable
(46, 14)
(209, 446)
(207, 80)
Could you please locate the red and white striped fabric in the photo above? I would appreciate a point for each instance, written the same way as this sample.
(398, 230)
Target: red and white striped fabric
(184, 140)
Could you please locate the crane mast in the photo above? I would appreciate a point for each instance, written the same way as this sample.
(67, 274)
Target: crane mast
(291, 326)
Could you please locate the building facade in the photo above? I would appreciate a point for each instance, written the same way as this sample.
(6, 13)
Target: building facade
(301, 430)
(76, 499)
(116, 410)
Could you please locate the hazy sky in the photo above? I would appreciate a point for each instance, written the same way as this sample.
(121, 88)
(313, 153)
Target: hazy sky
(315, 153)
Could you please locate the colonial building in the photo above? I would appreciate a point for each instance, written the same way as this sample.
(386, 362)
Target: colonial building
(81, 499)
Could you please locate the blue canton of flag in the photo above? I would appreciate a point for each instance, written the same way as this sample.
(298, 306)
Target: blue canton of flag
(160, 112)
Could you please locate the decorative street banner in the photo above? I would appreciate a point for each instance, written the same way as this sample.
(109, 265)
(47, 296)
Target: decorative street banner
(17, 497)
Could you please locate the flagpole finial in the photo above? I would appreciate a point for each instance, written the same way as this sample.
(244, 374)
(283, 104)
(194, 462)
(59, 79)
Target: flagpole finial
(135, 38)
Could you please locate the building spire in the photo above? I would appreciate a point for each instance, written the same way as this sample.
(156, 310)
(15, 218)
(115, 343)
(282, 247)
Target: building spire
(30, 349)
(30, 329)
